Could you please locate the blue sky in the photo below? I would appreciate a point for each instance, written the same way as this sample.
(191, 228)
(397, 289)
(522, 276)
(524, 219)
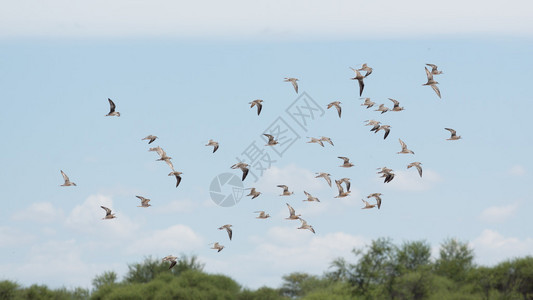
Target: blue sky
(188, 84)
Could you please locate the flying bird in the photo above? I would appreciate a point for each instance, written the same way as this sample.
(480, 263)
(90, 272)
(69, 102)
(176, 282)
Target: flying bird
(396, 106)
(359, 78)
(346, 181)
(108, 214)
(257, 103)
(254, 193)
(112, 111)
(243, 167)
(271, 140)
(367, 205)
(417, 165)
(310, 198)
(306, 226)
(315, 140)
(387, 174)
(217, 246)
(294, 83)
(292, 213)
(377, 197)
(67, 180)
(326, 139)
(385, 128)
(432, 82)
(375, 124)
(151, 138)
(325, 176)
(163, 156)
(365, 68)
(434, 69)
(342, 193)
(144, 201)
(177, 175)
(172, 259)
(262, 215)
(347, 163)
(285, 190)
(214, 144)
(382, 108)
(337, 105)
(228, 229)
(454, 135)
(368, 103)
(404, 148)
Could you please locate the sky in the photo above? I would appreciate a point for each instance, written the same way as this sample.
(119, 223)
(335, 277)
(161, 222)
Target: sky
(187, 74)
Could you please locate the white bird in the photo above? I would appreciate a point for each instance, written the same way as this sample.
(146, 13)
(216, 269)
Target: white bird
(292, 213)
(454, 135)
(243, 167)
(306, 226)
(434, 69)
(326, 139)
(342, 193)
(217, 246)
(417, 165)
(377, 197)
(359, 78)
(432, 82)
(144, 202)
(382, 108)
(67, 180)
(214, 144)
(385, 128)
(404, 148)
(368, 103)
(325, 176)
(177, 175)
(396, 106)
(151, 138)
(367, 69)
(347, 163)
(346, 181)
(315, 140)
(254, 193)
(228, 229)
(310, 198)
(112, 111)
(337, 105)
(262, 215)
(108, 214)
(257, 103)
(163, 156)
(294, 83)
(367, 205)
(285, 190)
(271, 140)
(172, 259)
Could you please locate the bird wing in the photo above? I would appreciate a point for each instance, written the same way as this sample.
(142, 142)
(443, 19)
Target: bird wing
(328, 179)
(107, 210)
(65, 177)
(295, 85)
(339, 109)
(436, 89)
(346, 159)
(387, 131)
(428, 74)
(361, 86)
(230, 232)
(244, 172)
(259, 107)
(307, 194)
(404, 146)
(454, 133)
(178, 180)
(291, 210)
(173, 263)
(396, 102)
(215, 148)
(112, 105)
(419, 168)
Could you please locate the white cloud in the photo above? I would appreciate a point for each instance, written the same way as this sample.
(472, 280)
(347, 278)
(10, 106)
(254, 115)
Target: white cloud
(173, 239)
(13, 237)
(409, 180)
(496, 214)
(491, 247)
(42, 212)
(263, 19)
(517, 170)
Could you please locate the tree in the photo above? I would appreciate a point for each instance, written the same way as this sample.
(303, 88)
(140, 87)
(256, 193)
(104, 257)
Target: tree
(108, 277)
(455, 260)
(413, 255)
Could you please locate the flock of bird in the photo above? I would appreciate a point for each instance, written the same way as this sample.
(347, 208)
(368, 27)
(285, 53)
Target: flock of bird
(343, 191)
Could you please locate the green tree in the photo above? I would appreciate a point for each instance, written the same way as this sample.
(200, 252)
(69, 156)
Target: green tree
(413, 255)
(107, 278)
(455, 260)
(8, 289)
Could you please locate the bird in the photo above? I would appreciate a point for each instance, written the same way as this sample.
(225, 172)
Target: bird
(178, 177)
(382, 108)
(171, 259)
(365, 68)
(432, 82)
(454, 135)
(347, 163)
(404, 148)
(163, 156)
(416, 164)
(67, 180)
(325, 176)
(387, 174)
(359, 78)
(368, 103)
(396, 106)
(108, 214)
(346, 181)
(144, 201)
(367, 205)
(228, 229)
(292, 213)
(385, 128)
(342, 193)
(310, 198)
(434, 69)
(306, 226)
(254, 193)
(285, 190)
(377, 197)
(151, 138)
(375, 124)
(217, 246)
(257, 103)
(315, 140)
(262, 215)
(243, 167)
(112, 111)
(294, 83)
(214, 144)
(326, 139)
(271, 140)
(337, 105)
